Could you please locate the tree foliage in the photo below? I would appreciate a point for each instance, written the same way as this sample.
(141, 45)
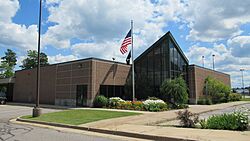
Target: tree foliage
(217, 90)
(7, 71)
(8, 63)
(31, 61)
(9, 58)
(175, 91)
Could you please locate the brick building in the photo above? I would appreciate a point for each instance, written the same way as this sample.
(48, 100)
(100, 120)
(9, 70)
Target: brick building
(76, 83)
(196, 79)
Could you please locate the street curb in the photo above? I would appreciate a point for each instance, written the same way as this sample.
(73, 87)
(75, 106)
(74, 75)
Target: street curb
(105, 131)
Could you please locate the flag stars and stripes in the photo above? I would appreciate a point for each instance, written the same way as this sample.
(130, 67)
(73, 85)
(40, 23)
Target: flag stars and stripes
(127, 41)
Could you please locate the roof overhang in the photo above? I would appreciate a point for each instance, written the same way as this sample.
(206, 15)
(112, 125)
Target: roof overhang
(7, 80)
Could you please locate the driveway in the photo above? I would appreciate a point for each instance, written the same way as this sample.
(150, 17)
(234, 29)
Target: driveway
(22, 132)
(226, 110)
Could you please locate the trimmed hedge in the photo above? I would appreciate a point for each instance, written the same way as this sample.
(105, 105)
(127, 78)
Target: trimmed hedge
(204, 101)
(234, 97)
(100, 101)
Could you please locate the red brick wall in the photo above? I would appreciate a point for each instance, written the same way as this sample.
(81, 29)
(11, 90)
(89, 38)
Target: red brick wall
(197, 76)
(25, 85)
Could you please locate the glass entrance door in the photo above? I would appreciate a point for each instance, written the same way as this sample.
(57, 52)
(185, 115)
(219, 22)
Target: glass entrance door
(81, 95)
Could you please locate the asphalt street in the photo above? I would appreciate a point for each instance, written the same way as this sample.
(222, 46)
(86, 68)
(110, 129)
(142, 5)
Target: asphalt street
(21, 132)
(226, 110)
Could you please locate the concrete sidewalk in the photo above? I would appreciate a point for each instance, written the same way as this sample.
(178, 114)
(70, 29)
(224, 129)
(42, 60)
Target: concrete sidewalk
(152, 118)
(143, 126)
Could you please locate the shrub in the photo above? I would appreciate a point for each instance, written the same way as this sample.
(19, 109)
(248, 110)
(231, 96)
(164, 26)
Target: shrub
(204, 101)
(175, 91)
(100, 101)
(203, 124)
(216, 89)
(187, 119)
(115, 102)
(155, 105)
(218, 98)
(127, 105)
(148, 105)
(153, 98)
(232, 121)
(234, 97)
(182, 106)
(138, 105)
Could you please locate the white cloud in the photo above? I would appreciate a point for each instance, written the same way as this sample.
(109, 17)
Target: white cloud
(61, 58)
(14, 35)
(95, 20)
(19, 61)
(108, 20)
(213, 20)
(240, 46)
(224, 61)
(53, 1)
(18, 36)
(8, 9)
(106, 50)
(100, 26)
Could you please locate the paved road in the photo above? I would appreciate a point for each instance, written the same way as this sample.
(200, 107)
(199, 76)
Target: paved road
(18, 132)
(226, 110)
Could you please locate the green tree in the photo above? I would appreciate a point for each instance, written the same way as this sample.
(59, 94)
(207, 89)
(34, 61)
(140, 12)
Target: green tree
(31, 61)
(8, 64)
(9, 58)
(7, 70)
(217, 90)
(175, 91)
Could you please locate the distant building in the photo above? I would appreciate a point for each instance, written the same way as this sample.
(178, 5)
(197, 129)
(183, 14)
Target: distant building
(77, 83)
(242, 91)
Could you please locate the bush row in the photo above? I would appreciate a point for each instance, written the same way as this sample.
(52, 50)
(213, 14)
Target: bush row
(151, 104)
(231, 121)
(219, 98)
(237, 120)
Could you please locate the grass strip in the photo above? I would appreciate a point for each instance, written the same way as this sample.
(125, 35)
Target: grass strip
(79, 116)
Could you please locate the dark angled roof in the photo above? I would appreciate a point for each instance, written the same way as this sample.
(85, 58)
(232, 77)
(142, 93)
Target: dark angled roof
(168, 34)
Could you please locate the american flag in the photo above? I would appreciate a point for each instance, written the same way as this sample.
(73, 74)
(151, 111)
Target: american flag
(127, 41)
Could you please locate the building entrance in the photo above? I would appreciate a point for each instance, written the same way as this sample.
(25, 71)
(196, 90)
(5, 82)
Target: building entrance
(81, 95)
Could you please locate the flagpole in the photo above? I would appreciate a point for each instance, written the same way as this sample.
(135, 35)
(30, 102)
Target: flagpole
(133, 67)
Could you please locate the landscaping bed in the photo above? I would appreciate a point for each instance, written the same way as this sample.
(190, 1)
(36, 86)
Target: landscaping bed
(232, 118)
(173, 96)
(79, 116)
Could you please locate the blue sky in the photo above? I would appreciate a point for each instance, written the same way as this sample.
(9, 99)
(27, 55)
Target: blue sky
(74, 29)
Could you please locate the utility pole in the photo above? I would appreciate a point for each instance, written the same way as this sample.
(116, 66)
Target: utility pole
(203, 63)
(242, 78)
(133, 65)
(213, 61)
(113, 76)
(36, 110)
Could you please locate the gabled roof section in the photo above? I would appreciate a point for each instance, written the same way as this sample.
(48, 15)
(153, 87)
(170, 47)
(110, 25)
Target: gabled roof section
(178, 47)
(164, 37)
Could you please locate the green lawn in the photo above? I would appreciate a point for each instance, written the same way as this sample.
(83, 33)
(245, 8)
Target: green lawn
(77, 117)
